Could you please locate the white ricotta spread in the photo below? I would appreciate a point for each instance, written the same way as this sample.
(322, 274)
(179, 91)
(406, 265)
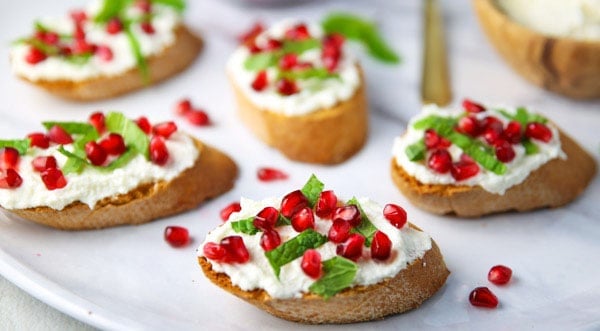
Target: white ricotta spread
(93, 185)
(579, 19)
(517, 170)
(407, 245)
(314, 93)
(164, 21)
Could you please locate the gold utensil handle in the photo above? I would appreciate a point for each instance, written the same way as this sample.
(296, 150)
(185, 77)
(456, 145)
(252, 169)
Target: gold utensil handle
(435, 83)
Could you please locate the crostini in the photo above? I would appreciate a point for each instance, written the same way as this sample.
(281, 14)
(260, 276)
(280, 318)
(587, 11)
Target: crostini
(479, 160)
(111, 48)
(108, 172)
(313, 258)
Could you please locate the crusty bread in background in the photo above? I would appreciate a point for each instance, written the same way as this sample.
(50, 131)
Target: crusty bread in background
(407, 290)
(326, 136)
(212, 174)
(554, 184)
(169, 62)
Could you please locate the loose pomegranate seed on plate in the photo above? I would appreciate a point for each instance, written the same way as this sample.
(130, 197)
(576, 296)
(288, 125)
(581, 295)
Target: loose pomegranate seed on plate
(9, 158)
(159, 153)
(395, 214)
(261, 81)
(440, 161)
(303, 219)
(59, 136)
(349, 213)
(236, 249)
(113, 144)
(114, 26)
(197, 117)
(177, 236)
(95, 153)
(513, 133)
(538, 131)
(311, 263)
(270, 240)
(42, 163)
(326, 204)
(381, 246)
(183, 107)
(35, 56)
(230, 209)
(352, 247)
(53, 179)
(143, 123)
(286, 87)
(463, 170)
(266, 218)
(98, 120)
(339, 231)
(504, 151)
(469, 125)
(483, 297)
(472, 107)
(499, 274)
(292, 203)
(38, 139)
(214, 251)
(164, 129)
(9, 178)
(268, 174)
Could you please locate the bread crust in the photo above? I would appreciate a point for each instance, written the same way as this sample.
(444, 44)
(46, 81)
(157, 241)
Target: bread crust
(169, 62)
(554, 184)
(212, 174)
(326, 136)
(405, 291)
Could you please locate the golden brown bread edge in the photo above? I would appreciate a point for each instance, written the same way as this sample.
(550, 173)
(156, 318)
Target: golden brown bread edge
(554, 184)
(326, 136)
(212, 174)
(171, 61)
(407, 290)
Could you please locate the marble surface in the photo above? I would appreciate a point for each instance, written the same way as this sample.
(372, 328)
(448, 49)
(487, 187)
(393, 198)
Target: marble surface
(128, 278)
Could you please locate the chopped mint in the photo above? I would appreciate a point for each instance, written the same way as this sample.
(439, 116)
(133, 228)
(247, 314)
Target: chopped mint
(132, 134)
(300, 46)
(21, 145)
(71, 127)
(74, 164)
(338, 275)
(137, 52)
(119, 162)
(282, 220)
(110, 9)
(245, 226)
(312, 189)
(260, 61)
(365, 227)
(530, 147)
(178, 5)
(294, 248)
(319, 73)
(416, 151)
(523, 116)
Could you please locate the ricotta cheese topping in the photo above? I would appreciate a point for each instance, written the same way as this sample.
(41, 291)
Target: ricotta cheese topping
(314, 93)
(407, 245)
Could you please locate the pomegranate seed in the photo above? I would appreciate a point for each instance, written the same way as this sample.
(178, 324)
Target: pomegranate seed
(250, 35)
(81, 47)
(183, 107)
(330, 63)
(334, 39)
(298, 32)
(288, 61)
(9, 178)
(433, 140)
(165, 129)
(59, 136)
(352, 247)
(273, 44)
(286, 87)
(512, 133)
(266, 174)
(311, 263)
(113, 144)
(79, 33)
(292, 203)
(53, 178)
(538, 131)
(214, 251)
(395, 214)
(491, 136)
(147, 27)
(499, 274)
(483, 297)
(504, 151)
(42, 163)
(9, 158)
(472, 107)
(440, 161)
(197, 117)
(463, 170)
(466, 158)
(381, 246)
(177, 236)
(144, 124)
(469, 125)
(48, 37)
(114, 26)
(236, 250)
(35, 56)
(339, 231)
(266, 218)
(326, 204)
(78, 16)
(349, 214)
(158, 150)
(492, 123)
(303, 219)
(269, 240)
(38, 139)
(104, 53)
(95, 153)
(97, 120)
(261, 81)
(230, 209)
(144, 5)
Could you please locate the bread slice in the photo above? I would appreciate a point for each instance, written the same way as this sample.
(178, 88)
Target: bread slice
(168, 63)
(554, 184)
(212, 174)
(326, 136)
(406, 291)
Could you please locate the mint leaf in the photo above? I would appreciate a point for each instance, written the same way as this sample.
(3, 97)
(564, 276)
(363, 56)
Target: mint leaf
(79, 143)
(282, 220)
(260, 61)
(300, 46)
(294, 248)
(178, 5)
(245, 226)
(74, 164)
(312, 189)
(119, 162)
(110, 9)
(365, 227)
(137, 52)
(523, 116)
(416, 151)
(21, 145)
(132, 134)
(71, 127)
(530, 147)
(338, 275)
(319, 73)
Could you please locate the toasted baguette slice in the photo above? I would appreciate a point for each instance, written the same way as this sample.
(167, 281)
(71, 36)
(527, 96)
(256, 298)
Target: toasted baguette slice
(406, 291)
(326, 136)
(212, 174)
(554, 184)
(168, 63)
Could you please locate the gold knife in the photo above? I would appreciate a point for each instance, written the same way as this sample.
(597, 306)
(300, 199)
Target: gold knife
(435, 81)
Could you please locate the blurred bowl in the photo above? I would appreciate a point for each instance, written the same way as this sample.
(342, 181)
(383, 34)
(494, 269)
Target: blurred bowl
(560, 64)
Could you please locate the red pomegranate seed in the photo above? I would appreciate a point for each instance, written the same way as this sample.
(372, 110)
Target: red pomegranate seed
(230, 209)
(236, 250)
(144, 5)
(286, 87)
(288, 61)
(466, 158)
(95, 153)
(42, 163)
(54, 179)
(79, 33)
(469, 125)
(59, 136)
(303, 219)
(330, 63)
(269, 240)
(97, 120)
(48, 37)
(292, 203)
(472, 107)
(104, 53)
(483, 297)
(433, 140)
(249, 36)
(113, 144)
(266, 174)
(82, 47)
(512, 133)
(395, 214)
(165, 129)
(9, 178)
(326, 204)
(499, 274)
(538, 131)
(311, 263)
(297, 32)
(144, 124)
(9, 158)
(147, 27)
(261, 81)
(334, 39)
(352, 247)
(35, 56)
(440, 161)
(78, 16)
(177, 236)
(381, 246)
(492, 123)
(159, 153)
(183, 107)
(339, 231)
(349, 213)
(114, 26)
(214, 251)
(463, 170)
(273, 44)
(197, 117)
(491, 136)
(266, 218)
(504, 151)
(38, 139)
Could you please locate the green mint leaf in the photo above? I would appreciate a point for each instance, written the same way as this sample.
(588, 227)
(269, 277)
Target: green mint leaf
(294, 248)
(530, 147)
(74, 164)
(79, 59)
(39, 26)
(338, 275)
(49, 50)
(110, 9)
(319, 73)
(79, 143)
(21, 145)
(245, 226)
(522, 116)
(282, 220)
(119, 162)
(260, 61)
(178, 5)
(365, 227)
(132, 134)
(416, 151)
(312, 189)
(71, 127)
(137, 52)
(300, 46)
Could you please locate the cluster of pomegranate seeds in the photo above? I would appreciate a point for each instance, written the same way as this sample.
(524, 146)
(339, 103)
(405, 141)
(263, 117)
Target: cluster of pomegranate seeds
(311, 263)
(483, 296)
(9, 161)
(230, 209)
(9, 178)
(177, 236)
(230, 250)
(269, 174)
(332, 51)
(248, 38)
(194, 116)
(42, 163)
